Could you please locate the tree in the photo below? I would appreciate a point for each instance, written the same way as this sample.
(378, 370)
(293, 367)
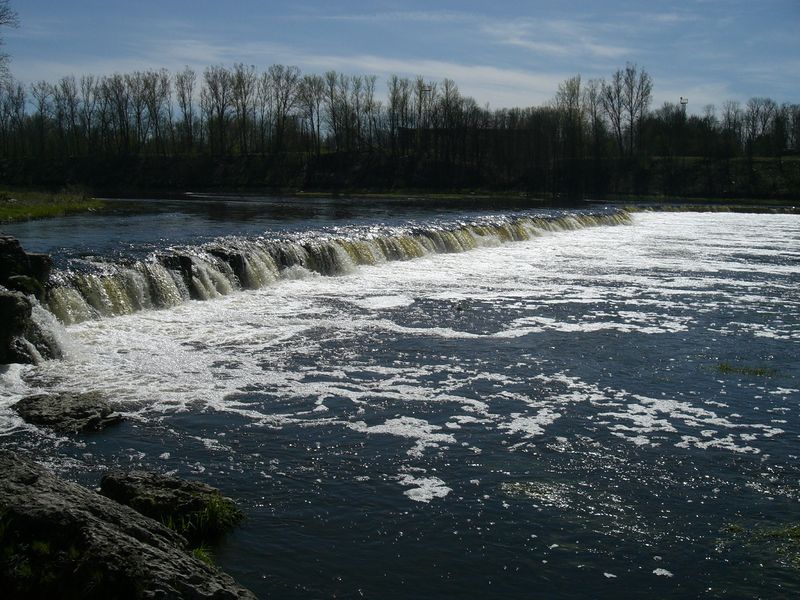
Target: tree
(569, 102)
(636, 98)
(310, 95)
(42, 93)
(218, 96)
(184, 88)
(245, 85)
(592, 107)
(613, 105)
(283, 81)
(8, 18)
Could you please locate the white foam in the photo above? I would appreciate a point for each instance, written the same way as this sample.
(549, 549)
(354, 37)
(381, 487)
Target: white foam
(424, 433)
(383, 302)
(423, 489)
(244, 353)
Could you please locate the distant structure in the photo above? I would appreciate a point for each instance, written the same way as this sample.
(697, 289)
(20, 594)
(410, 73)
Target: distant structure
(684, 102)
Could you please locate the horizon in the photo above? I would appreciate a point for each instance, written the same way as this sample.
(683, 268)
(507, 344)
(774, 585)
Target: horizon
(708, 51)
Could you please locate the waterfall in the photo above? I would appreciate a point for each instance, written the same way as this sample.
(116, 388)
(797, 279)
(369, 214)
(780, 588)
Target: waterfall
(224, 266)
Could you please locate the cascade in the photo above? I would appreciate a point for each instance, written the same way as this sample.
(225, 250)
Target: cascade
(167, 279)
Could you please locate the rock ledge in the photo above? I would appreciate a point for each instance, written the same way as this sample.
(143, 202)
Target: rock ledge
(61, 540)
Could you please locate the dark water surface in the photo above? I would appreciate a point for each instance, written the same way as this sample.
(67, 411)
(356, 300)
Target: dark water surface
(579, 415)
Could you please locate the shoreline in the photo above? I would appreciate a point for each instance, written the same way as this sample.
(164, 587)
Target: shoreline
(19, 204)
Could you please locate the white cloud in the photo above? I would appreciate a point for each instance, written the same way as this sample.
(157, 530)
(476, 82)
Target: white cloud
(409, 16)
(557, 38)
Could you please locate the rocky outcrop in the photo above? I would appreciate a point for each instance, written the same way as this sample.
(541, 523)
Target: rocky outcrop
(15, 319)
(61, 540)
(68, 413)
(196, 510)
(22, 275)
(23, 271)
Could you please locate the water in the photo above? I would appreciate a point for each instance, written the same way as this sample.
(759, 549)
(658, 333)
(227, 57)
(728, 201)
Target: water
(574, 413)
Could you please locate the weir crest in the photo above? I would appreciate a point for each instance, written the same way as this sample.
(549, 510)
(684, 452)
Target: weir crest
(170, 277)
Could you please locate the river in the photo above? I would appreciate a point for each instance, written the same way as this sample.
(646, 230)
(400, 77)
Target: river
(574, 404)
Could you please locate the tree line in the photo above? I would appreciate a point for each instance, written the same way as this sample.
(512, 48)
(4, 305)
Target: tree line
(238, 110)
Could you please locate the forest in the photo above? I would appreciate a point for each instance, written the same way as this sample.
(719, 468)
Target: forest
(238, 127)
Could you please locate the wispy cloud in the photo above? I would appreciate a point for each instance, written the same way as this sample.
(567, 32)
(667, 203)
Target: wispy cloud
(444, 16)
(558, 38)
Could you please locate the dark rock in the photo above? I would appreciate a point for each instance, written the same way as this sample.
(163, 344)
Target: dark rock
(61, 540)
(23, 340)
(68, 413)
(20, 338)
(15, 261)
(237, 263)
(40, 267)
(26, 284)
(15, 320)
(183, 264)
(195, 509)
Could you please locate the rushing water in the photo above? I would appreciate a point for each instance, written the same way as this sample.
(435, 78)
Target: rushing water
(579, 409)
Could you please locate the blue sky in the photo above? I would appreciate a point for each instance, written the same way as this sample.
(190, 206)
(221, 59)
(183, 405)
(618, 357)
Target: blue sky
(505, 52)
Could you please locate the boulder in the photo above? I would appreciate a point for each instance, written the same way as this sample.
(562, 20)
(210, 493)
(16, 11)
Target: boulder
(61, 540)
(67, 413)
(15, 262)
(22, 275)
(15, 320)
(196, 510)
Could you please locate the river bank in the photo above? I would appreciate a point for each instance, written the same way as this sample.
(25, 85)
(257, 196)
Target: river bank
(22, 204)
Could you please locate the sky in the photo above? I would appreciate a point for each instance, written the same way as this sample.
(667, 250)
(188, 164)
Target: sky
(502, 52)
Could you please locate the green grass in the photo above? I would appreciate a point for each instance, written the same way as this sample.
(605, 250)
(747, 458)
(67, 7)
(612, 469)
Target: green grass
(22, 205)
(729, 369)
(218, 516)
(203, 554)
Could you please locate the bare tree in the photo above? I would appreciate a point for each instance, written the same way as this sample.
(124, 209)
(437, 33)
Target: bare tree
(637, 95)
(184, 88)
(89, 101)
(12, 114)
(158, 102)
(265, 105)
(794, 127)
(8, 18)
(569, 103)
(593, 107)
(42, 93)
(614, 106)
(218, 94)
(310, 96)
(119, 99)
(732, 121)
(372, 109)
(757, 116)
(332, 108)
(245, 86)
(68, 107)
(284, 81)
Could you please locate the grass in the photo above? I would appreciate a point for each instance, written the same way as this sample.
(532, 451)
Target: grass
(217, 516)
(203, 554)
(729, 369)
(20, 205)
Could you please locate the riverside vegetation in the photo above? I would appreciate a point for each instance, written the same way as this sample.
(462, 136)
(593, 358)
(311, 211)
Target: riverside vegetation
(20, 205)
(240, 128)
